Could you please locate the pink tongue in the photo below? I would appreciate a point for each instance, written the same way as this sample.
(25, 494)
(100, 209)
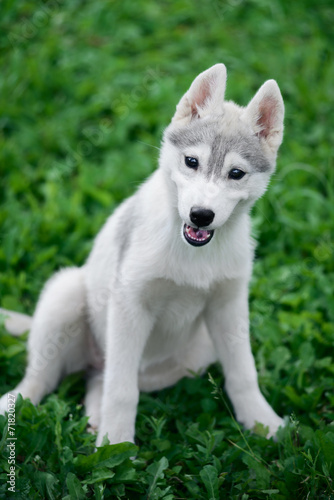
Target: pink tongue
(198, 234)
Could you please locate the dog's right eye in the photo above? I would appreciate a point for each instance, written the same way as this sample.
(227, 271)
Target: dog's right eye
(236, 174)
(191, 162)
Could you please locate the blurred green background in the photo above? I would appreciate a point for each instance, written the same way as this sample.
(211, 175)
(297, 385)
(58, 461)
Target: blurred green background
(86, 89)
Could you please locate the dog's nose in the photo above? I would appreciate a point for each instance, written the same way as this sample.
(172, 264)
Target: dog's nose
(201, 216)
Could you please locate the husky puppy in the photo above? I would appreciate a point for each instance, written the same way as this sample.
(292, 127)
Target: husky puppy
(164, 291)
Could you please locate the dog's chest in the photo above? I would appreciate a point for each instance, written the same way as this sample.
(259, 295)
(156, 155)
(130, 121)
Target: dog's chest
(165, 299)
(176, 310)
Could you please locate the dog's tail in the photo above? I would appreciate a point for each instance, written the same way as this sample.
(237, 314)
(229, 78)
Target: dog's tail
(16, 323)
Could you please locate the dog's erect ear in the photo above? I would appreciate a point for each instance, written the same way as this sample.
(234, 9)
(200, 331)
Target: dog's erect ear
(205, 96)
(265, 113)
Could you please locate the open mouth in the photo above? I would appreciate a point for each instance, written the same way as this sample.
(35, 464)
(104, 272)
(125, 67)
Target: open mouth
(197, 237)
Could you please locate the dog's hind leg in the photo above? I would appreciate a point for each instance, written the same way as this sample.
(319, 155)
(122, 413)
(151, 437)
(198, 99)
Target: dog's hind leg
(93, 399)
(194, 359)
(160, 376)
(200, 352)
(57, 344)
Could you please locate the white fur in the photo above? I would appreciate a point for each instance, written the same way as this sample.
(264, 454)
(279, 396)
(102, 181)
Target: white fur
(147, 307)
(16, 323)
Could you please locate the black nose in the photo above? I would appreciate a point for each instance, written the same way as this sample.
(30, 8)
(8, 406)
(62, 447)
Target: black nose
(201, 216)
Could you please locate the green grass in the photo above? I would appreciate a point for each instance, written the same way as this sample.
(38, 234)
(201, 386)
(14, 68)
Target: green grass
(86, 88)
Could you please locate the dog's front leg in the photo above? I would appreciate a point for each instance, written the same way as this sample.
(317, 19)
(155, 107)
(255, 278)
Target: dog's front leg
(128, 328)
(228, 324)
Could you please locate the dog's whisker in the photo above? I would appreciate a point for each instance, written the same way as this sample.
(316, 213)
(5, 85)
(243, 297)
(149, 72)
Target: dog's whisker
(149, 145)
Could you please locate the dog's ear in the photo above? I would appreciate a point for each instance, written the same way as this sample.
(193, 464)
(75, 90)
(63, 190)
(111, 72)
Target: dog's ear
(265, 112)
(205, 96)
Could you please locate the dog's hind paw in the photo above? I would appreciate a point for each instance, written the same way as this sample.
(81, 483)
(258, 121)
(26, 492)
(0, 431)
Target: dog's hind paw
(4, 403)
(92, 429)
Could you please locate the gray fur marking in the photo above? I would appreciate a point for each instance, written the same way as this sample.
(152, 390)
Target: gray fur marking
(196, 133)
(127, 220)
(221, 143)
(247, 147)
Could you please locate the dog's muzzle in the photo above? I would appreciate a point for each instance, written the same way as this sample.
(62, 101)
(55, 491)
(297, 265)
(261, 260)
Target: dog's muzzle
(197, 237)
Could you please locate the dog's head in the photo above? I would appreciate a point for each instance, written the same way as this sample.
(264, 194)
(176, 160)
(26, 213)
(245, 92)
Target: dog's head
(220, 156)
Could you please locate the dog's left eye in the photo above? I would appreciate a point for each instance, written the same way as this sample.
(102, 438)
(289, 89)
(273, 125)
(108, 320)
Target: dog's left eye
(236, 174)
(191, 162)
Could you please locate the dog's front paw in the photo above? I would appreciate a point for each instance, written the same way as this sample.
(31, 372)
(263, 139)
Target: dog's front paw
(114, 436)
(268, 428)
(257, 411)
